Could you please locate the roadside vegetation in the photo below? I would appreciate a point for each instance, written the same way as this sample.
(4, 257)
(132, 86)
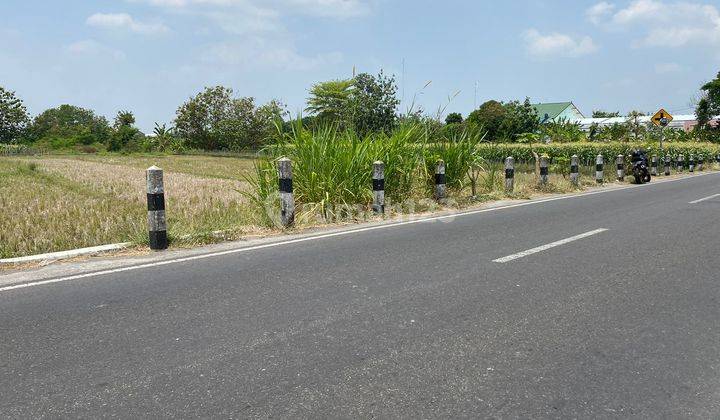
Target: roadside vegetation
(58, 203)
(71, 178)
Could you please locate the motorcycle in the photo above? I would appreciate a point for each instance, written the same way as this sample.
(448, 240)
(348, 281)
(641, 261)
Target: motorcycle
(640, 167)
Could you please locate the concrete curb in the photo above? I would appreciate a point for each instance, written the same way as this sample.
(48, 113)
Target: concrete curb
(66, 254)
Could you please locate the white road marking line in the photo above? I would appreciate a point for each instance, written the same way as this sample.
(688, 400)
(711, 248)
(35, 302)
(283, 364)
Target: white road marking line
(329, 235)
(704, 199)
(548, 246)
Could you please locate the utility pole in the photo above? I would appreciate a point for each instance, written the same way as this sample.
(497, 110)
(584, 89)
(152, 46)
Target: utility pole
(475, 98)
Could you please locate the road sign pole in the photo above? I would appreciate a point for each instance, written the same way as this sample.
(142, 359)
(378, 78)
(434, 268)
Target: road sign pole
(662, 138)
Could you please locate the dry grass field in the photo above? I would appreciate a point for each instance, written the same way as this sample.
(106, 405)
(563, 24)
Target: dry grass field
(58, 203)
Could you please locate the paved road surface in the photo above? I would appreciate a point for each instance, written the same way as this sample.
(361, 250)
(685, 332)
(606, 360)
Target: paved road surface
(614, 313)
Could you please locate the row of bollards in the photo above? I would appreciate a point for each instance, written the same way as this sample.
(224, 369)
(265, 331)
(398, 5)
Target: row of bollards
(157, 223)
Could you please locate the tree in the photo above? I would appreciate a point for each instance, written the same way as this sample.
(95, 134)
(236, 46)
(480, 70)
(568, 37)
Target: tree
(124, 118)
(374, 103)
(71, 124)
(162, 137)
(330, 101)
(365, 103)
(520, 118)
(14, 117)
(125, 135)
(216, 120)
(637, 129)
(505, 121)
(605, 114)
(454, 118)
(708, 106)
(489, 116)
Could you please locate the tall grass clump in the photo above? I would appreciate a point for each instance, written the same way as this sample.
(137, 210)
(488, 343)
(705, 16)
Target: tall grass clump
(332, 168)
(460, 155)
(403, 154)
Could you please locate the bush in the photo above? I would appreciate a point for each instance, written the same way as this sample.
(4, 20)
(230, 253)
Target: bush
(87, 149)
(587, 152)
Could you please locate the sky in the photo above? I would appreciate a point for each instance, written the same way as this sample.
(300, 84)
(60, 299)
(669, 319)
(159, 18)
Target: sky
(149, 56)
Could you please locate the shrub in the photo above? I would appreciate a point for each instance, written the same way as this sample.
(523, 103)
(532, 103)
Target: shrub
(87, 149)
(588, 151)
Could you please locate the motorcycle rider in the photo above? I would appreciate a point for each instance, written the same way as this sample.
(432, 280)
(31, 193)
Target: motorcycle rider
(639, 155)
(640, 166)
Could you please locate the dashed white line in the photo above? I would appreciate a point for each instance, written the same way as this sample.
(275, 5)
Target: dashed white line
(548, 246)
(704, 199)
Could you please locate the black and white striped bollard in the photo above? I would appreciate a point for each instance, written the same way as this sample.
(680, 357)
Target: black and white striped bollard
(287, 201)
(379, 187)
(700, 162)
(680, 163)
(654, 165)
(667, 165)
(599, 167)
(440, 187)
(543, 170)
(691, 163)
(157, 224)
(575, 170)
(620, 162)
(509, 174)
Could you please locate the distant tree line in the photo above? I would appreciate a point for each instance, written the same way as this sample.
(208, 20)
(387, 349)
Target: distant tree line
(217, 119)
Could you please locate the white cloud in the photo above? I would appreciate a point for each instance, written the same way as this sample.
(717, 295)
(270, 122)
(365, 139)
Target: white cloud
(124, 21)
(320, 8)
(599, 11)
(557, 44)
(665, 68)
(331, 8)
(92, 47)
(259, 53)
(638, 10)
(666, 24)
(263, 41)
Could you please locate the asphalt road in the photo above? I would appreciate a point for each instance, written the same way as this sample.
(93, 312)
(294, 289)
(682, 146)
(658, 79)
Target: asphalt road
(410, 321)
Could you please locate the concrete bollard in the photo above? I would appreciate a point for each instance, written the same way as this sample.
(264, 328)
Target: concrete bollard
(654, 165)
(287, 201)
(667, 165)
(700, 162)
(575, 170)
(620, 162)
(680, 163)
(157, 224)
(440, 187)
(599, 164)
(543, 170)
(378, 187)
(691, 163)
(509, 174)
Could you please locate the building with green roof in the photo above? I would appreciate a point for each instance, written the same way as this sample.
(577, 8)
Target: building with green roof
(556, 111)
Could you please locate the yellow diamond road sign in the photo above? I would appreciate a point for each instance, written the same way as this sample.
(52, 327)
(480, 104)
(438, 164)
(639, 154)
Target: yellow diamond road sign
(662, 118)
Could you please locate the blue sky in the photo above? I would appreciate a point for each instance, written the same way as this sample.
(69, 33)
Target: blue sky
(149, 56)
